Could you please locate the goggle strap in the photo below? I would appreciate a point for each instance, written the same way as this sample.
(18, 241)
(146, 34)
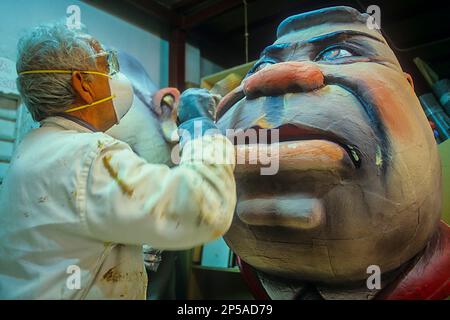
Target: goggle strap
(64, 71)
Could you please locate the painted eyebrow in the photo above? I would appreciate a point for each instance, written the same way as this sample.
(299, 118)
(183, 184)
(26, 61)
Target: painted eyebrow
(275, 48)
(342, 33)
(329, 37)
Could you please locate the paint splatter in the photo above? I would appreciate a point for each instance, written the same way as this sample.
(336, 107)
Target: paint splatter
(100, 144)
(113, 173)
(378, 157)
(263, 123)
(112, 275)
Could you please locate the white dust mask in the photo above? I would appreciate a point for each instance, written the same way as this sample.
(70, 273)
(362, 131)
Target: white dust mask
(122, 94)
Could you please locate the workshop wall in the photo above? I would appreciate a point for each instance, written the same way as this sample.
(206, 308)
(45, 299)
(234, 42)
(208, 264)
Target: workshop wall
(150, 49)
(198, 67)
(111, 31)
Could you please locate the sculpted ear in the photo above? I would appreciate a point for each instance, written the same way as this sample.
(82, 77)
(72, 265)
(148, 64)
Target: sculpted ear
(409, 79)
(165, 106)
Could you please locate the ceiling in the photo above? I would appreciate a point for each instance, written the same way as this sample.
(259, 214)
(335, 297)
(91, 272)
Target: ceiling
(414, 27)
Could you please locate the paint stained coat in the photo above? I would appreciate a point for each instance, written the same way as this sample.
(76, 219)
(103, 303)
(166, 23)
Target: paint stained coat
(75, 197)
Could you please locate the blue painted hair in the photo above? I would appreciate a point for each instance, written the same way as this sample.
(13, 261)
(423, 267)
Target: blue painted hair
(340, 14)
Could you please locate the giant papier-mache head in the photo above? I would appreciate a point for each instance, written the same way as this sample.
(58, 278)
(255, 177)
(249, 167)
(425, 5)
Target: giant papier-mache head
(359, 180)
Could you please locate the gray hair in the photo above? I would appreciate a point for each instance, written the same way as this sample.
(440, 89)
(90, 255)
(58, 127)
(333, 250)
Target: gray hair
(51, 47)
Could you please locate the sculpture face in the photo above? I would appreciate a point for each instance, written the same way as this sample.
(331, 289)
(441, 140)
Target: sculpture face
(359, 178)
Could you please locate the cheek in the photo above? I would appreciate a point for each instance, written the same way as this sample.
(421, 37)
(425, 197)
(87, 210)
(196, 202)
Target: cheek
(101, 87)
(105, 87)
(415, 163)
(389, 92)
(396, 105)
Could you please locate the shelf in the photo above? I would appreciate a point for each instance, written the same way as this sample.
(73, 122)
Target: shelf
(199, 267)
(217, 283)
(209, 81)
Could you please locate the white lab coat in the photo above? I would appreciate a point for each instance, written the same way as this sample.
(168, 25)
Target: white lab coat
(74, 198)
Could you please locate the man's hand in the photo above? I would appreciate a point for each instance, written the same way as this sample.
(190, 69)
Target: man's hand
(197, 103)
(196, 113)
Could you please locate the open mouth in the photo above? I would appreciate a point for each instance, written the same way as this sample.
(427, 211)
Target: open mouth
(295, 139)
(293, 132)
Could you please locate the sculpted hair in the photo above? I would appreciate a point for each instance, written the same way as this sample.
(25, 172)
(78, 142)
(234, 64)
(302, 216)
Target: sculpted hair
(339, 14)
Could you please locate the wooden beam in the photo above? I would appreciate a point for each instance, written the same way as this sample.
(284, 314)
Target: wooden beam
(183, 4)
(209, 12)
(157, 10)
(177, 68)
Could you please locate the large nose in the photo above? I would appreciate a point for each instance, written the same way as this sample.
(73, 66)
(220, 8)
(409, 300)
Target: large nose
(284, 77)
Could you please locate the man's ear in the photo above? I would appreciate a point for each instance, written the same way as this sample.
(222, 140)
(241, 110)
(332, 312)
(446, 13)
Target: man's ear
(409, 79)
(82, 87)
(165, 107)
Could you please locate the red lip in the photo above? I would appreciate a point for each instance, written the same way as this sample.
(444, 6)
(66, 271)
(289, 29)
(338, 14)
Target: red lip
(229, 100)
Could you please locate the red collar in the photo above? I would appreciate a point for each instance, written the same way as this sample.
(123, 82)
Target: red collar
(428, 277)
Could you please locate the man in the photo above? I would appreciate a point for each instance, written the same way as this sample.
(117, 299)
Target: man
(77, 205)
(358, 193)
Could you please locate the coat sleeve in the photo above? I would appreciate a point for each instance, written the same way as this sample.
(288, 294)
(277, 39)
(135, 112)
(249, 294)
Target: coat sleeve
(130, 201)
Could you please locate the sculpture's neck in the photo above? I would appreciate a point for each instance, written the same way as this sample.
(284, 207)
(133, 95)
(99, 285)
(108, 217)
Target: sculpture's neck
(423, 277)
(282, 289)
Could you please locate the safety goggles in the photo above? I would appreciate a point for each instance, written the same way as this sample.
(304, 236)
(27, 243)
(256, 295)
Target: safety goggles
(111, 58)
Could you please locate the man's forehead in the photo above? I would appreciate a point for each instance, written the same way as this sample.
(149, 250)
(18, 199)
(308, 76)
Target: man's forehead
(100, 59)
(312, 24)
(93, 42)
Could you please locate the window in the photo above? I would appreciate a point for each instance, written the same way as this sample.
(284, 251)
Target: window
(8, 131)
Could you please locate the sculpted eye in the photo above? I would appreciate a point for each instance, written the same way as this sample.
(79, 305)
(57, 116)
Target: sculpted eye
(333, 54)
(262, 66)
